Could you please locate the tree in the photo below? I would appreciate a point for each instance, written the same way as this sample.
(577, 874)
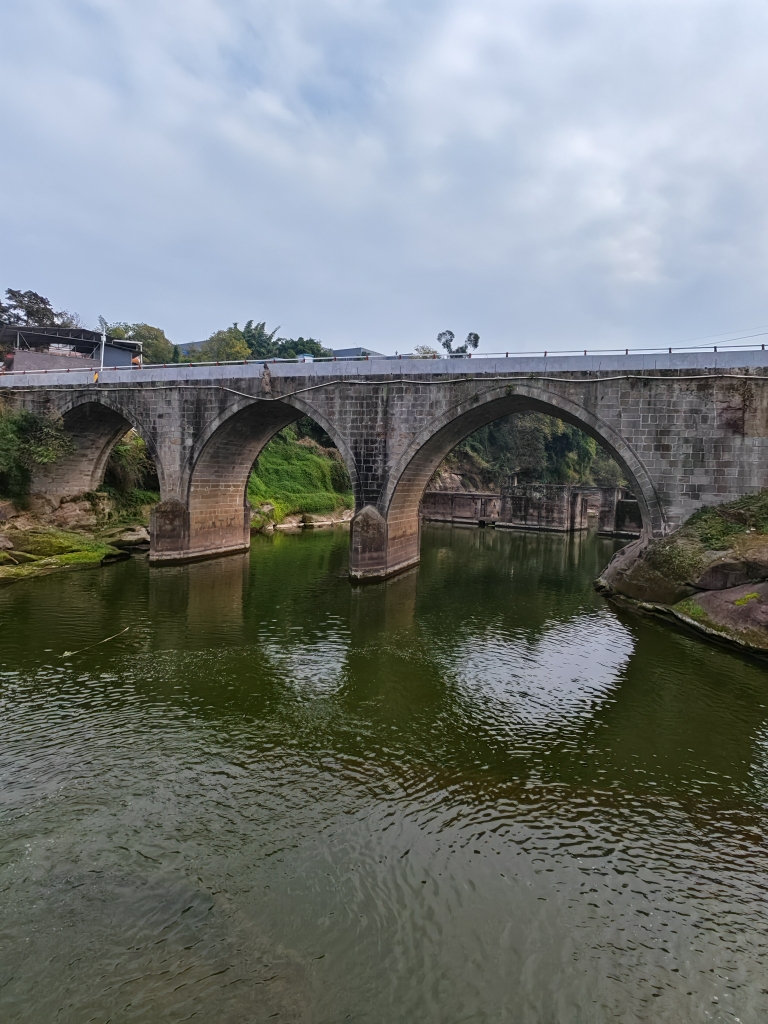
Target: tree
(446, 339)
(223, 346)
(262, 344)
(29, 309)
(155, 347)
(425, 352)
(289, 348)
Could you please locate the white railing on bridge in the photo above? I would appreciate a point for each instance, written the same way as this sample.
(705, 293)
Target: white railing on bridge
(732, 345)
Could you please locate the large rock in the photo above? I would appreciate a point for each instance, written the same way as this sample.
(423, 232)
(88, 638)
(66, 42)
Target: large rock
(713, 571)
(125, 539)
(7, 510)
(74, 515)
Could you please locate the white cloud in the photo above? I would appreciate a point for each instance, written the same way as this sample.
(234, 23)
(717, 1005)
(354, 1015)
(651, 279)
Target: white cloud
(545, 173)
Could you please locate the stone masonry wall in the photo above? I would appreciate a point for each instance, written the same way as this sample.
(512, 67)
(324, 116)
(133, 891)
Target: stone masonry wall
(684, 437)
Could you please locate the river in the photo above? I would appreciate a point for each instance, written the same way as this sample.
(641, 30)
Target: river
(474, 793)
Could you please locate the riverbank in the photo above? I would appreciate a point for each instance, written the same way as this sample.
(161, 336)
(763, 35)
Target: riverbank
(86, 532)
(711, 575)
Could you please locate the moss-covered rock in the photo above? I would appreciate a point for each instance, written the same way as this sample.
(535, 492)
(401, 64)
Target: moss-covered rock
(39, 552)
(711, 573)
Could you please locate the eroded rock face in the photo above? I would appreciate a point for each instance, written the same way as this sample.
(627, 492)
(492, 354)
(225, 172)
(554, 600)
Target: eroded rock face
(743, 610)
(134, 537)
(7, 510)
(74, 515)
(713, 572)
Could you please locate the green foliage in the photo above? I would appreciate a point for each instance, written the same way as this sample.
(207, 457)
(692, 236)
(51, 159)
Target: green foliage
(691, 609)
(52, 549)
(221, 347)
(538, 449)
(33, 310)
(289, 348)
(716, 525)
(27, 441)
(446, 339)
(741, 601)
(156, 348)
(260, 342)
(253, 342)
(298, 475)
(130, 466)
(676, 558)
(45, 543)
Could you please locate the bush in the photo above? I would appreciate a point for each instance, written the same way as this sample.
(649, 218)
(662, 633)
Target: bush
(130, 466)
(27, 441)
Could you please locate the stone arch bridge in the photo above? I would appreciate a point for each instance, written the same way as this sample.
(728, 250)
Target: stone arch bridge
(687, 430)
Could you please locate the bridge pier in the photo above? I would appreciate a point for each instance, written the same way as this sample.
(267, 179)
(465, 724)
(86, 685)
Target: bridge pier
(177, 535)
(379, 547)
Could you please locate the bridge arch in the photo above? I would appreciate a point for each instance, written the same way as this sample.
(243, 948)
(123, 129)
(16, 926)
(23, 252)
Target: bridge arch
(95, 422)
(212, 516)
(386, 539)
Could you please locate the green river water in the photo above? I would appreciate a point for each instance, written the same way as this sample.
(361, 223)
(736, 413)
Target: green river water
(474, 793)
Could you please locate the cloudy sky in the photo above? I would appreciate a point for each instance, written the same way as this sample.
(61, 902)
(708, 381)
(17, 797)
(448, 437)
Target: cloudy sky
(549, 174)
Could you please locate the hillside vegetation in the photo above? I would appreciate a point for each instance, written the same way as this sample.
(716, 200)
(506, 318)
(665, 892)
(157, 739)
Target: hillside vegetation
(533, 448)
(298, 474)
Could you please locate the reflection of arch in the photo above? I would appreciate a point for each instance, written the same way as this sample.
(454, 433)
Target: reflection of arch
(221, 462)
(95, 425)
(395, 524)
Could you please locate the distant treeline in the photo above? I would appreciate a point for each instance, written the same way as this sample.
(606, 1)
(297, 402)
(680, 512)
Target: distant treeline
(252, 341)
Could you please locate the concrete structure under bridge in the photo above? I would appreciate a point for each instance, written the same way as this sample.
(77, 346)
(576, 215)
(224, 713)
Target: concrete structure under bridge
(564, 508)
(687, 429)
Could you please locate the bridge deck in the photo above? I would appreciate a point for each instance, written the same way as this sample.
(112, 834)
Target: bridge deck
(185, 373)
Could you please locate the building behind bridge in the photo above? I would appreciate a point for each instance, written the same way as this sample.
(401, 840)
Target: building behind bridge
(62, 348)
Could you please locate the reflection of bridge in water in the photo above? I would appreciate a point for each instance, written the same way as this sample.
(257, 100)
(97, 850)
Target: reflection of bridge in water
(687, 430)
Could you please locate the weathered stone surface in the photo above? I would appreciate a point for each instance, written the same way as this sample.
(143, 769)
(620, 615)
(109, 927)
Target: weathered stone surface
(723, 590)
(289, 523)
(738, 613)
(687, 430)
(137, 536)
(74, 515)
(6, 543)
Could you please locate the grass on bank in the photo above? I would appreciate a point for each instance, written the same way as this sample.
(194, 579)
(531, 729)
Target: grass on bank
(297, 475)
(682, 555)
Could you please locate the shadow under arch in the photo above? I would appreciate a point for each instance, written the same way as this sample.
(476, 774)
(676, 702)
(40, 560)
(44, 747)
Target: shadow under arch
(215, 517)
(95, 423)
(395, 525)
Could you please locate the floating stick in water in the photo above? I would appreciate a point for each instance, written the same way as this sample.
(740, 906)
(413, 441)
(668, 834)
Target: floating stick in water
(68, 654)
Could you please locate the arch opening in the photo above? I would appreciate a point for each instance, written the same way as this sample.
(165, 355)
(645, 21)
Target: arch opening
(96, 430)
(394, 527)
(299, 473)
(226, 494)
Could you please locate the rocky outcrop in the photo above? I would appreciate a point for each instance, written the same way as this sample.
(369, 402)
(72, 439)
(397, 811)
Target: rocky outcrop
(712, 573)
